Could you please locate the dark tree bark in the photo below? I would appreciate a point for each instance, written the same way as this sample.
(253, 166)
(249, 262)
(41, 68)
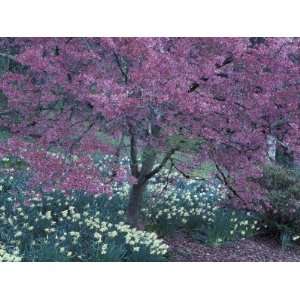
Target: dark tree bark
(143, 172)
(138, 189)
(136, 197)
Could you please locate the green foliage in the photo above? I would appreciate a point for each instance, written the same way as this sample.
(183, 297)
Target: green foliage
(229, 225)
(204, 171)
(4, 134)
(284, 157)
(283, 195)
(3, 100)
(4, 65)
(184, 143)
(16, 67)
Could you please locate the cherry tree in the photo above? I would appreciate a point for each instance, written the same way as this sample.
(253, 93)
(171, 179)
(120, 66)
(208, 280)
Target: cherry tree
(67, 98)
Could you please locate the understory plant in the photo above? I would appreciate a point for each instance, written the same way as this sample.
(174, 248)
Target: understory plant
(229, 225)
(282, 211)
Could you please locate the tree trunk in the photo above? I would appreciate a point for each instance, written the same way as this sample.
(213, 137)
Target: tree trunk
(135, 200)
(272, 145)
(137, 190)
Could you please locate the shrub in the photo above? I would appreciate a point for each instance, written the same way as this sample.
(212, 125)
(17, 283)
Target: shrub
(282, 212)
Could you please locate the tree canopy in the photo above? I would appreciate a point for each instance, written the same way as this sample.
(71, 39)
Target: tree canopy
(73, 95)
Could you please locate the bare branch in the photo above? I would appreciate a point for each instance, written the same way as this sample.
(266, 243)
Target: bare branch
(187, 176)
(124, 72)
(78, 139)
(223, 178)
(167, 179)
(162, 164)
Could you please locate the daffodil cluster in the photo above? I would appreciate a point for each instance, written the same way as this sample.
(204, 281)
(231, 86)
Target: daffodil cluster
(6, 256)
(78, 227)
(183, 203)
(198, 206)
(230, 225)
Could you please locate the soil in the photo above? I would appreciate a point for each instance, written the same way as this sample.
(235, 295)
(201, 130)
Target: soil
(258, 249)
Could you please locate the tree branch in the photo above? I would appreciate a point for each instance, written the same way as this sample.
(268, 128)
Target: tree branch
(78, 139)
(224, 179)
(119, 63)
(168, 180)
(185, 175)
(162, 164)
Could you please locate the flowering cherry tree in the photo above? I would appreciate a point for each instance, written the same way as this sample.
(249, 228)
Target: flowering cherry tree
(67, 98)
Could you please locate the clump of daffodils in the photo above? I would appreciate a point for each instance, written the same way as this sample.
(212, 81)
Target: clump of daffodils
(6, 256)
(232, 225)
(179, 205)
(194, 204)
(75, 228)
(136, 239)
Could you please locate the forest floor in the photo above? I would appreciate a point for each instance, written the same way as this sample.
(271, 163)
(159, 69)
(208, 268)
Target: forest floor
(258, 249)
